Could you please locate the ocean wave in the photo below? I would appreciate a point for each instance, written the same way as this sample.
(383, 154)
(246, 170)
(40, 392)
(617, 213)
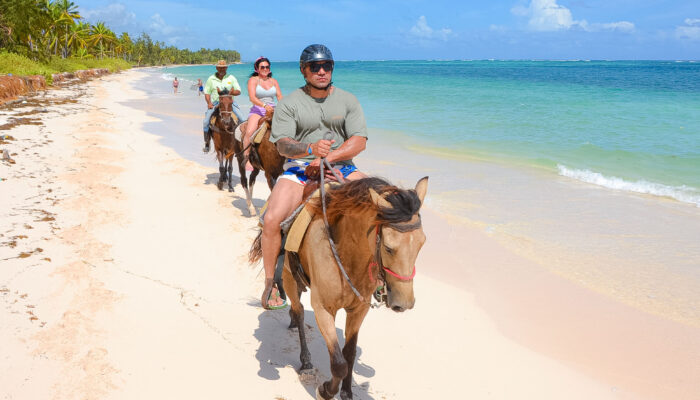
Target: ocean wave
(681, 193)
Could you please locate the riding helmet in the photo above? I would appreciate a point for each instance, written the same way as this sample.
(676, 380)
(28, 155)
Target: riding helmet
(315, 52)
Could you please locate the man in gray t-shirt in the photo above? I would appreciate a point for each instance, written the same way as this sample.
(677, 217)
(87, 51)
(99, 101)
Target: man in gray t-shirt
(299, 127)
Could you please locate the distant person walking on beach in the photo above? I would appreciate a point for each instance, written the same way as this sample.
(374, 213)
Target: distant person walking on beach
(263, 89)
(200, 86)
(220, 80)
(299, 128)
(175, 85)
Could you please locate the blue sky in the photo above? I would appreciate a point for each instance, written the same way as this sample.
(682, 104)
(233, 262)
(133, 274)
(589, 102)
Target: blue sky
(416, 29)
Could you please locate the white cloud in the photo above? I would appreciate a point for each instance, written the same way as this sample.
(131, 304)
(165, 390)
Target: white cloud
(158, 25)
(691, 29)
(114, 15)
(622, 26)
(547, 15)
(421, 30)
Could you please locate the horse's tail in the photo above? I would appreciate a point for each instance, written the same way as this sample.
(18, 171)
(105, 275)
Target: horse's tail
(255, 252)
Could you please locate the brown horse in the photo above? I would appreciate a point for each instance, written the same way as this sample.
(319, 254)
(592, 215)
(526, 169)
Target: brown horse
(378, 232)
(263, 156)
(223, 128)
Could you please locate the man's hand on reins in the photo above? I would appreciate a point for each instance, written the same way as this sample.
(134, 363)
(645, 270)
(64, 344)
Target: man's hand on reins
(313, 171)
(322, 147)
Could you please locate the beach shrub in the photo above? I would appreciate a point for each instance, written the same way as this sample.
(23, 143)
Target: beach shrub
(19, 65)
(112, 64)
(15, 64)
(59, 64)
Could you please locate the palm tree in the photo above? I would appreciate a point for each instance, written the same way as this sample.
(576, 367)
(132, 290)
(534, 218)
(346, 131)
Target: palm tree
(82, 53)
(78, 35)
(124, 46)
(69, 16)
(101, 37)
(23, 21)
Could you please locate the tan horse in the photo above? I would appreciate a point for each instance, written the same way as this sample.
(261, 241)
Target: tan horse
(377, 230)
(225, 123)
(263, 156)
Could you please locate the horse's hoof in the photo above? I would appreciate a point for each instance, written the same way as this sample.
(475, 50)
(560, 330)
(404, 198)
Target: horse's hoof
(345, 395)
(253, 212)
(220, 185)
(318, 394)
(307, 376)
(230, 189)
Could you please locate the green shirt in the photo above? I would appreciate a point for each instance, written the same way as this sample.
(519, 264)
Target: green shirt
(305, 119)
(229, 82)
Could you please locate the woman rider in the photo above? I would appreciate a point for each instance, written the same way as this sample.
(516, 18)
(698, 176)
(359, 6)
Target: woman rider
(262, 91)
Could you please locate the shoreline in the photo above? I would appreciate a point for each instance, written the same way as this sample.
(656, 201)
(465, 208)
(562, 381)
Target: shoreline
(379, 158)
(137, 240)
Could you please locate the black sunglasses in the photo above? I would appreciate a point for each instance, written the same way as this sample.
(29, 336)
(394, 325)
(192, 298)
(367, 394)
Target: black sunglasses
(264, 67)
(326, 65)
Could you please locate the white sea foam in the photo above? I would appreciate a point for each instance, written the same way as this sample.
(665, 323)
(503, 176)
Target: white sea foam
(681, 193)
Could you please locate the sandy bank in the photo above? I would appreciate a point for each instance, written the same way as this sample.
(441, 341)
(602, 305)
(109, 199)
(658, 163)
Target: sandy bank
(12, 87)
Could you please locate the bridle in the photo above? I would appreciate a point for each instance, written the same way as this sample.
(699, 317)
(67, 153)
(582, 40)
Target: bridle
(401, 227)
(383, 270)
(226, 125)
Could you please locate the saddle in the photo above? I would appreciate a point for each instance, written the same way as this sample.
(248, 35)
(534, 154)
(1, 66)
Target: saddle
(295, 226)
(303, 218)
(212, 119)
(257, 135)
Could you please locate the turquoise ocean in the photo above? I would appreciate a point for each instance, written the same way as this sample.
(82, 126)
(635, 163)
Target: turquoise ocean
(626, 125)
(590, 169)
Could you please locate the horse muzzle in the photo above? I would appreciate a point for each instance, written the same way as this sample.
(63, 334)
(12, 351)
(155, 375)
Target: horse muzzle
(400, 299)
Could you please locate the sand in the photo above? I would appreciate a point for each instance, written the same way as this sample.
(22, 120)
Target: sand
(123, 275)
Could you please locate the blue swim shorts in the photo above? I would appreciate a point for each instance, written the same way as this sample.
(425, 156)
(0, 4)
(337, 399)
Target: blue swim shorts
(294, 170)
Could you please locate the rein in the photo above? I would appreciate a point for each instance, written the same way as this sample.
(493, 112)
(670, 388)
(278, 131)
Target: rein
(401, 227)
(328, 228)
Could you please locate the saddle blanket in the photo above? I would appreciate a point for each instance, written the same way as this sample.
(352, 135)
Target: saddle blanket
(301, 222)
(257, 136)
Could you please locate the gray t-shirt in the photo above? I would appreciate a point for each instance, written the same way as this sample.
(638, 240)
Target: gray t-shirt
(305, 119)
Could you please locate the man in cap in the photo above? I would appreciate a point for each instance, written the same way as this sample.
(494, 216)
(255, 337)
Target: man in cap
(315, 121)
(220, 80)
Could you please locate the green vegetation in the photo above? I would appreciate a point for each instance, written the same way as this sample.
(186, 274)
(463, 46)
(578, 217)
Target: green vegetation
(22, 66)
(41, 37)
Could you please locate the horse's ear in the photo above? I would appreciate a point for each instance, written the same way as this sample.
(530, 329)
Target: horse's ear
(218, 91)
(378, 199)
(422, 188)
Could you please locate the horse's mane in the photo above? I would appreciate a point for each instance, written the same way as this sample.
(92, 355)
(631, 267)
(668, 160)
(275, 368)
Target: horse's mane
(353, 197)
(224, 92)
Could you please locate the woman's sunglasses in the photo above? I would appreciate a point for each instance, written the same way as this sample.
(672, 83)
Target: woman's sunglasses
(264, 67)
(327, 66)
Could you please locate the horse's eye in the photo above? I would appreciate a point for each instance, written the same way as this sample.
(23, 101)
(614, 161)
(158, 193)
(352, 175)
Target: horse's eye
(388, 250)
